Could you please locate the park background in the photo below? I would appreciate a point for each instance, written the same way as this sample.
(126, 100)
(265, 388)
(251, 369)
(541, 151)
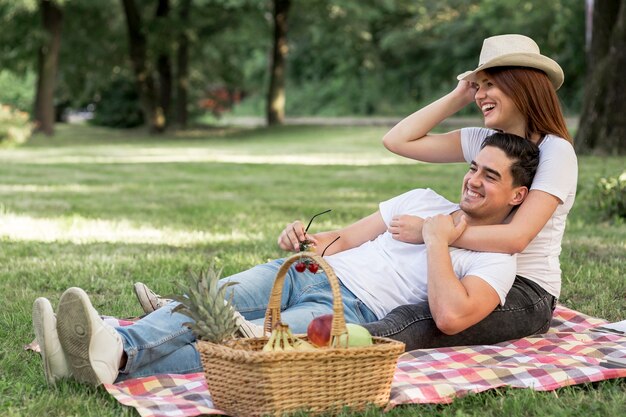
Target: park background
(124, 155)
(171, 63)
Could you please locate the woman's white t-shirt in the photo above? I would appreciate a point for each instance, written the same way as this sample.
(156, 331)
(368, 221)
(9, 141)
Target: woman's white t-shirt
(557, 175)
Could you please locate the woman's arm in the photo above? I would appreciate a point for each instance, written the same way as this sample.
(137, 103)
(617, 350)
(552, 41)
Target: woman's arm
(513, 237)
(411, 137)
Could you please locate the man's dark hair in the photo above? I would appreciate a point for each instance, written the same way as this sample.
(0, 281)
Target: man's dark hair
(523, 153)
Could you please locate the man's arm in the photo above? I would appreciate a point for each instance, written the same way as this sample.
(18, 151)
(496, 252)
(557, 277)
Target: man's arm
(455, 304)
(366, 229)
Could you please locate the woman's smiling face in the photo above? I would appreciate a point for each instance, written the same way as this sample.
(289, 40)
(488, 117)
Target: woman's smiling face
(498, 109)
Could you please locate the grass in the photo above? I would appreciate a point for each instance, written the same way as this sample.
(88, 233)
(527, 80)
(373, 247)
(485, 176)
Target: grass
(101, 209)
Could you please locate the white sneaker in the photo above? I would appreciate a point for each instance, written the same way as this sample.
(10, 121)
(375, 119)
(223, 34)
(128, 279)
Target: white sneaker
(93, 348)
(151, 301)
(55, 364)
(148, 299)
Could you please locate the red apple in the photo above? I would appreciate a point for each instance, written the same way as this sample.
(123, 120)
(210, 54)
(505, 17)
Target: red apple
(318, 331)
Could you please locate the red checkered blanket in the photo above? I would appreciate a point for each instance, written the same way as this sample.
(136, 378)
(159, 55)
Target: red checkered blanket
(570, 353)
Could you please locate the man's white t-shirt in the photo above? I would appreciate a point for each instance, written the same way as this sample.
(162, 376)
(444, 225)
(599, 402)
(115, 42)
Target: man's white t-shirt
(557, 174)
(385, 273)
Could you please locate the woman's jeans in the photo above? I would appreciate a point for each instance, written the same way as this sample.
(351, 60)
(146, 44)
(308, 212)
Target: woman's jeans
(528, 310)
(160, 343)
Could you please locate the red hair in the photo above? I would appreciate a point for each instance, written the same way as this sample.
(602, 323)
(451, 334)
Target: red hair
(535, 97)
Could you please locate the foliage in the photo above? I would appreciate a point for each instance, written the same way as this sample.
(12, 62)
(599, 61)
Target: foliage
(610, 196)
(15, 126)
(20, 36)
(372, 57)
(118, 105)
(346, 57)
(17, 91)
(92, 54)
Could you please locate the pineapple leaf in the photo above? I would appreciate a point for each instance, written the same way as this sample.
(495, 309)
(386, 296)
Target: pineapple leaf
(206, 302)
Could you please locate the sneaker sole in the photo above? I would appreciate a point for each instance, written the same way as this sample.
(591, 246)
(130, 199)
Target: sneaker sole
(40, 306)
(74, 329)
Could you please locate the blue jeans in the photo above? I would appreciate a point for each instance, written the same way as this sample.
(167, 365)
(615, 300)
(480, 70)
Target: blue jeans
(528, 310)
(160, 343)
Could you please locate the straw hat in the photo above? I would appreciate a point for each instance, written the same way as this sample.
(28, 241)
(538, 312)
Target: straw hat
(515, 51)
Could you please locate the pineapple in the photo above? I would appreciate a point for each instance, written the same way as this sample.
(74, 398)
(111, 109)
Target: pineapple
(206, 303)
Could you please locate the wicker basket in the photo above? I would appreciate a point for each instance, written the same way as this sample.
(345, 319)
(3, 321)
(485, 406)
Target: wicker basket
(245, 381)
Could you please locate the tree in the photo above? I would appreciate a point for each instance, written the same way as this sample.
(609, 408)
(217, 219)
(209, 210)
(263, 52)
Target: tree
(52, 19)
(182, 65)
(276, 93)
(602, 127)
(138, 47)
(164, 65)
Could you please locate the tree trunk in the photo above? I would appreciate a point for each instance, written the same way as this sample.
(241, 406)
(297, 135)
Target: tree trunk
(52, 19)
(164, 66)
(182, 66)
(153, 112)
(276, 94)
(602, 127)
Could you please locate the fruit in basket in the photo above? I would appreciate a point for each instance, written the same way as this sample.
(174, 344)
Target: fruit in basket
(205, 301)
(318, 331)
(282, 339)
(357, 336)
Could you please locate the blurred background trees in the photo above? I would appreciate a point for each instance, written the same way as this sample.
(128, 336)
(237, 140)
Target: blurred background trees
(163, 63)
(602, 122)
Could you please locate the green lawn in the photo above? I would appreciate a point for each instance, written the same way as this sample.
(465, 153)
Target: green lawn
(101, 209)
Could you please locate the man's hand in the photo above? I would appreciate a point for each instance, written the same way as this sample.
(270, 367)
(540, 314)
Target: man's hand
(292, 235)
(441, 229)
(406, 228)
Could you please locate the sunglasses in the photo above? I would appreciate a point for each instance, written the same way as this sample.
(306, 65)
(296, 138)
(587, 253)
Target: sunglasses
(305, 244)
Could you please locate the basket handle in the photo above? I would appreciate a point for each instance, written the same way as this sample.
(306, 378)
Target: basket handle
(272, 314)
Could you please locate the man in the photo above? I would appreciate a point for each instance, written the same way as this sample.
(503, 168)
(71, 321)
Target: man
(376, 272)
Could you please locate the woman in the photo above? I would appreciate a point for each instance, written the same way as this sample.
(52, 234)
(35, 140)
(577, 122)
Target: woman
(514, 86)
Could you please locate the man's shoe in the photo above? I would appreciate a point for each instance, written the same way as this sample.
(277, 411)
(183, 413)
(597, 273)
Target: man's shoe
(55, 364)
(93, 348)
(148, 299)
(151, 301)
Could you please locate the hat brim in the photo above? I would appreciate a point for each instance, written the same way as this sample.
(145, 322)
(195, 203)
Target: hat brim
(550, 67)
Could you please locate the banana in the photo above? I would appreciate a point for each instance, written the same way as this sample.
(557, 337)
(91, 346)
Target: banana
(282, 340)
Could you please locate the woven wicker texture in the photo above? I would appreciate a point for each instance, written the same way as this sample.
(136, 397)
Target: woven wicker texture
(245, 381)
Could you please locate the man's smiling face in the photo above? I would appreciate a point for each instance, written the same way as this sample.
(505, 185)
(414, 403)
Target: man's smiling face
(488, 193)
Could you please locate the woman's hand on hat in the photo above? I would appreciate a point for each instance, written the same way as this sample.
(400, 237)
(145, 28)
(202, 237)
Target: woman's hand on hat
(466, 91)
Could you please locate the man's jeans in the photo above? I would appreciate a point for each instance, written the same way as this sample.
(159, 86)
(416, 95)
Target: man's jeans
(527, 311)
(160, 343)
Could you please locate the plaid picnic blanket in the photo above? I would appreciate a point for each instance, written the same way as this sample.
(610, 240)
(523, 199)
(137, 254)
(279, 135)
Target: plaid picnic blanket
(570, 353)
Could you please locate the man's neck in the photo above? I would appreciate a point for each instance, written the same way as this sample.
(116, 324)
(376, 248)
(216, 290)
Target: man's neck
(474, 221)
